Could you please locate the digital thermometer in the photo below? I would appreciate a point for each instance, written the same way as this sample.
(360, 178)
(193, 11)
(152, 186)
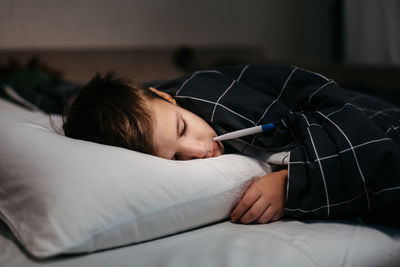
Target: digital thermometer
(248, 131)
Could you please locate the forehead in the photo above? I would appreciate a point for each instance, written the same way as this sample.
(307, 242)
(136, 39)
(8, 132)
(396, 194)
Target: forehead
(165, 125)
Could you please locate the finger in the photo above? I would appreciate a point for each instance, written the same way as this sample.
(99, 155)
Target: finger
(255, 211)
(277, 216)
(267, 215)
(248, 199)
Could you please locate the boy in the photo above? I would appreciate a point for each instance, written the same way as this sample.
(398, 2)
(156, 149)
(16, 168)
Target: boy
(343, 157)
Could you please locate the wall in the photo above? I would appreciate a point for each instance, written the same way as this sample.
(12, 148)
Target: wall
(285, 29)
(372, 34)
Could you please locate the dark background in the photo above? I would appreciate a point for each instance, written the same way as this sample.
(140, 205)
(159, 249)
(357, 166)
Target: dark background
(354, 42)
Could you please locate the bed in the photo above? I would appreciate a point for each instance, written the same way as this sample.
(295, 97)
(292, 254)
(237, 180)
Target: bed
(71, 220)
(283, 243)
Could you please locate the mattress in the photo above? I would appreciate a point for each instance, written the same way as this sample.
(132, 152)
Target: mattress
(282, 243)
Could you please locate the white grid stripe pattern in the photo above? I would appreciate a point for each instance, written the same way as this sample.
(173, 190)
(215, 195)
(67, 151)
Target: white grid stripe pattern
(343, 151)
(215, 103)
(344, 106)
(346, 201)
(383, 111)
(276, 100)
(320, 167)
(193, 75)
(344, 110)
(355, 158)
(322, 87)
(315, 73)
(241, 73)
(230, 86)
(279, 96)
(392, 128)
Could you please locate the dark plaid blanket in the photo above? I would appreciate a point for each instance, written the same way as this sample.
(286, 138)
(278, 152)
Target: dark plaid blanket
(344, 146)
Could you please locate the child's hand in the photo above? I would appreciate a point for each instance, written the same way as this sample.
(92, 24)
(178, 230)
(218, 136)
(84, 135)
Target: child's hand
(264, 200)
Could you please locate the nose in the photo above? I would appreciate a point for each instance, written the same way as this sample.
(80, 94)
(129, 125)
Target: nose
(193, 150)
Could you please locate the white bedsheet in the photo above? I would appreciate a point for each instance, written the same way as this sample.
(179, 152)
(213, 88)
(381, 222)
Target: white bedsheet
(283, 243)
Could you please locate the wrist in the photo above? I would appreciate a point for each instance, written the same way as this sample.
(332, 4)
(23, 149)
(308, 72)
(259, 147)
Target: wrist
(283, 177)
(284, 173)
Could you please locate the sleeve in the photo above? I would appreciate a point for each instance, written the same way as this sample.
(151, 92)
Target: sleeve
(343, 164)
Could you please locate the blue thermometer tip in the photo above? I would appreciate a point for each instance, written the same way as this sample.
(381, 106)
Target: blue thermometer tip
(267, 127)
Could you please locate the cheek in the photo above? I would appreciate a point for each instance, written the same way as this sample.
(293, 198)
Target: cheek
(200, 127)
(207, 130)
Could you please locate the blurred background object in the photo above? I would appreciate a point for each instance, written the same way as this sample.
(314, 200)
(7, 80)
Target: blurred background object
(372, 32)
(352, 41)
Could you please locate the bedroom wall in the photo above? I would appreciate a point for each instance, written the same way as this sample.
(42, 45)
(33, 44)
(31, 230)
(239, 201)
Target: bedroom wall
(372, 32)
(285, 29)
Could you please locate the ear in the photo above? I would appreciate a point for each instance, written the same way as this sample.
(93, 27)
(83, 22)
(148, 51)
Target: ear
(164, 95)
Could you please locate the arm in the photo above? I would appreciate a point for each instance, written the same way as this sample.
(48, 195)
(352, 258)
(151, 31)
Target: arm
(264, 200)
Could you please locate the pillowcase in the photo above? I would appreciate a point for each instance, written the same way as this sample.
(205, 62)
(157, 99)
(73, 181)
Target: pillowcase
(61, 195)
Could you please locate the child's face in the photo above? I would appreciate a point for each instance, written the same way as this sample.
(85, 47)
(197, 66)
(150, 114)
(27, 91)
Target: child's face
(182, 135)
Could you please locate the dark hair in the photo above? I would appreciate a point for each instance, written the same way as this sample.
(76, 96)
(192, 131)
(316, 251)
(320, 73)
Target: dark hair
(110, 110)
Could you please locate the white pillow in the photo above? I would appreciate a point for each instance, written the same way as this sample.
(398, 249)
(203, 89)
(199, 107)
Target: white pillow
(60, 195)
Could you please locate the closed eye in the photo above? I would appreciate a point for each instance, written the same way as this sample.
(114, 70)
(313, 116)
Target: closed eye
(181, 133)
(184, 128)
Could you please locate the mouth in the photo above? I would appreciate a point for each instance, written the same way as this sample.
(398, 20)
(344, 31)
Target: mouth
(216, 148)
